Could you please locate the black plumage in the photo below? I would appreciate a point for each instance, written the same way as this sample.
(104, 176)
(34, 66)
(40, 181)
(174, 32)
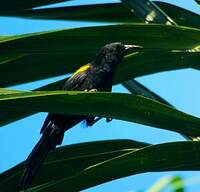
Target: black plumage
(97, 75)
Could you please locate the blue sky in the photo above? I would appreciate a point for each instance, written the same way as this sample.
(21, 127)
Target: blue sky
(178, 87)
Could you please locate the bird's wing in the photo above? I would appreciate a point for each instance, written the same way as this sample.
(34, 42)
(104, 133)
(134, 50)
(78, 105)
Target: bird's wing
(76, 81)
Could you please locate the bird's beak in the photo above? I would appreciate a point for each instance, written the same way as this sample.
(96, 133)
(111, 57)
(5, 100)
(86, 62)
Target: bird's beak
(132, 47)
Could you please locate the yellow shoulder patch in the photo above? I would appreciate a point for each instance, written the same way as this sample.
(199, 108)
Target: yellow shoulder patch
(81, 69)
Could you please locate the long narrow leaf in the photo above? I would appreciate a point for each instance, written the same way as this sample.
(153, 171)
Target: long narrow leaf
(153, 37)
(131, 67)
(179, 15)
(137, 88)
(79, 46)
(148, 11)
(178, 156)
(197, 1)
(166, 181)
(132, 108)
(12, 5)
(109, 12)
(84, 154)
(44, 66)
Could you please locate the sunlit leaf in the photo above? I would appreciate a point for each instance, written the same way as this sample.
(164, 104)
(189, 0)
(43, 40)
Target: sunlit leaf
(78, 175)
(167, 181)
(132, 108)
(81, 155)
(34, 58)
(109, 12)
(12, 5)
(198, 1)
(148, 11)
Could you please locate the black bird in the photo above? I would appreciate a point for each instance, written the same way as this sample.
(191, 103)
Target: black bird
(95, 76)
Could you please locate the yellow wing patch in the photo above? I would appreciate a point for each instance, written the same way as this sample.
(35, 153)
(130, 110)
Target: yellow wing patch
(81, 69)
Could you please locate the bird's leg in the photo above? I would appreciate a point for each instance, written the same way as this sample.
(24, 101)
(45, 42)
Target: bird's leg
(98, 118)
(108, 119)
(91, 123)
(91, 120)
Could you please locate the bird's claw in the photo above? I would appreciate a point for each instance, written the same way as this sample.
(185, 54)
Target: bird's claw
(108, 119)
(91, 90)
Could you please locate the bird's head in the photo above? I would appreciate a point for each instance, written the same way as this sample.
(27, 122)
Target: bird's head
(113, 53)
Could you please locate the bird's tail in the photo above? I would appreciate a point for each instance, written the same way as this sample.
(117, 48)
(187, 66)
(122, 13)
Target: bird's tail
(50, 138)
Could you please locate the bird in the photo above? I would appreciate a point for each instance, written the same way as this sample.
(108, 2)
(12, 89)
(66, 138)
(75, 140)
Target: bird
(94, 76)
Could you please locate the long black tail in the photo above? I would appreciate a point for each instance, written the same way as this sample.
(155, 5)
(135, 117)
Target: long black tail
(50, 138)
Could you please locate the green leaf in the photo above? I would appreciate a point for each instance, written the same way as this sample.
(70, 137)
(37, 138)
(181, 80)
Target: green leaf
(70, 40)
(175, 156)
(7, 91)
(33, 58)
(198, 1)
(31, 67)
(134, 65)
(132, 108)
(131, 67)
(148, 11)
(178, 184)
(12, 5)
(84, 154)
(166, 181)
(3, 38)
(179, 15)
(151, 13)
(109, 12)
(44, 66)
(137, 88)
